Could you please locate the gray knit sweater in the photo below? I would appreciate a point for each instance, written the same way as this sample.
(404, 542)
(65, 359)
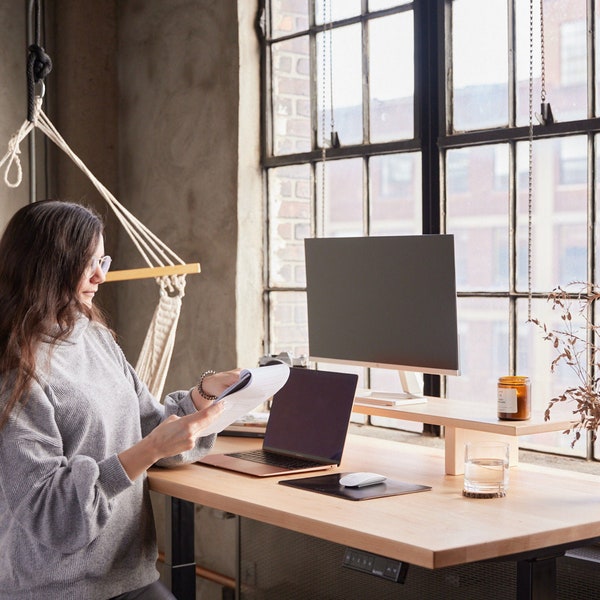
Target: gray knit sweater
(73, 526)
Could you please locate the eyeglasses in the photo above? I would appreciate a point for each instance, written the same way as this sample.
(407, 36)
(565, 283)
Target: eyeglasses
(102, 262)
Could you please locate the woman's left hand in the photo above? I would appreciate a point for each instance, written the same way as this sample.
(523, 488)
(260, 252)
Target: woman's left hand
(214, 385)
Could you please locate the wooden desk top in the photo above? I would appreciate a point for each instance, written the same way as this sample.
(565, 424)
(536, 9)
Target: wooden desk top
(438, 528)
(465, 415)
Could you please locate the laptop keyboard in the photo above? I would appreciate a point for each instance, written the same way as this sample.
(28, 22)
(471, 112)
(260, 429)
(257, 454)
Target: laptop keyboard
(275, 460)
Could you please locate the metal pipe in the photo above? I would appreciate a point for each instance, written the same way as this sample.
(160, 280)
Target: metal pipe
(31, 138)
(208, 574)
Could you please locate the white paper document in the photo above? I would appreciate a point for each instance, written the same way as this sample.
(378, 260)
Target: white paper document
(254, 387)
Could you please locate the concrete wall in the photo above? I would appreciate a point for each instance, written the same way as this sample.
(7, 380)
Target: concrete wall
(148, 92)
(13, 101)
(160, 99)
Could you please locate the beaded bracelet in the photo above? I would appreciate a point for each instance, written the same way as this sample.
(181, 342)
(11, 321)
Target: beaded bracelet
(199, 386)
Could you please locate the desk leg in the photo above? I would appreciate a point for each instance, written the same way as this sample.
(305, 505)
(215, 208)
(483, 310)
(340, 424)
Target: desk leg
(454, 448)
(536, 579)
(180, 561)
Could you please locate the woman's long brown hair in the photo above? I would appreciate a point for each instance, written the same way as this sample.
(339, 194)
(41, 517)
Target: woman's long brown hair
(44, 252)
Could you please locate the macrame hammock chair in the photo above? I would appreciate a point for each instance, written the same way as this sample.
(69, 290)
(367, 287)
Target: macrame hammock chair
(164, 265)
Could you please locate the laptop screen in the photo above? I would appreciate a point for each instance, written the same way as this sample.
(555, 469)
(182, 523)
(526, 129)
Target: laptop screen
(310, 415)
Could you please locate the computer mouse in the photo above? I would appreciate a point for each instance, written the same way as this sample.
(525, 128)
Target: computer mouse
(361, 479)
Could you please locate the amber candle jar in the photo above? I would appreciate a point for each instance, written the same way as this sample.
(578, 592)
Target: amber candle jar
(514, 398)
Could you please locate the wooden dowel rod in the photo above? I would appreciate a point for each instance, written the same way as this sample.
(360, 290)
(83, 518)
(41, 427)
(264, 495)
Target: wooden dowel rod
(149, 272)
(209, 574)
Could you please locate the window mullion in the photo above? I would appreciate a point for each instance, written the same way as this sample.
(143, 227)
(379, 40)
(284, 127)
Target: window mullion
(591, 57)
(512, 256)
(429, 57)
(512, 68)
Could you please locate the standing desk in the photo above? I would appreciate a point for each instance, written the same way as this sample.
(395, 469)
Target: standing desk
(546, 512)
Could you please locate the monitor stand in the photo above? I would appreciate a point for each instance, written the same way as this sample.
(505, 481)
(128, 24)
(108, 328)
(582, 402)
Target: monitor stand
(412, 393)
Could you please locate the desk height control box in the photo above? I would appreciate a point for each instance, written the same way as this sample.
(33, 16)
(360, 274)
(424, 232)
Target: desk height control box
(380, 566)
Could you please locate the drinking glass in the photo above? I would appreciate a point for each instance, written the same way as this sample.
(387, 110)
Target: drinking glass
(486, 469)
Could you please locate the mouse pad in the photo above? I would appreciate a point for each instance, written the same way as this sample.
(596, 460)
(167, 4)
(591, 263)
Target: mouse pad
(330, 485)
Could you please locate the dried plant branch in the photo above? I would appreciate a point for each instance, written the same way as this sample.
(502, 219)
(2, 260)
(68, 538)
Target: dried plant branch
(575, 345)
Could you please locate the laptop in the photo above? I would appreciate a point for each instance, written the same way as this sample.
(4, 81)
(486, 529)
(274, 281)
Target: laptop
(306, 430)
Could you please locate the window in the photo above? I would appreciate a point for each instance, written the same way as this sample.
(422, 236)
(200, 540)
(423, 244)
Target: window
(573, 63)
(375, 124)
(573, 161)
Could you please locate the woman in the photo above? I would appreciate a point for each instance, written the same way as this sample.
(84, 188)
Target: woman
(78, 429)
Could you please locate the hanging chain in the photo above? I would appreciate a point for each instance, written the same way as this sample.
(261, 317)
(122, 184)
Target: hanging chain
(327, 52)
(331, 111)
(323, 103)
(530, 167)
(542, 52)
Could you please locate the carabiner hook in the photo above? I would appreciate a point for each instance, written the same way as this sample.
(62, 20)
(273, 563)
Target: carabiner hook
(42, 86)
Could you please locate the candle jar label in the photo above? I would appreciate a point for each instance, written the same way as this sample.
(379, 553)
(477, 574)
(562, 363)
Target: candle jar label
(507, 400)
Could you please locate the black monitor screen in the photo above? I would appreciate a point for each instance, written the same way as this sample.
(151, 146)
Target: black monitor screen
(383, 302)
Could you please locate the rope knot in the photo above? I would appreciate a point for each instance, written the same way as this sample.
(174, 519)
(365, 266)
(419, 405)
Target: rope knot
(12, 155)
(38, 66)
(172, 285)
(41, 63)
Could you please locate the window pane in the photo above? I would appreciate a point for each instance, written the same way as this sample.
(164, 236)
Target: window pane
(291, 96)
(288, 16)
(288, 323)
(391, 90)
(289, 223)
(483, 339)
(336, 10)
(381, 4)
(477, 214)
(344, 74)
(395, 191)
(534, 359)
(559, 216)
(479, 64)
(342, 213)
(573, 161)
(597, 222)
(565, 59)
(573, 56)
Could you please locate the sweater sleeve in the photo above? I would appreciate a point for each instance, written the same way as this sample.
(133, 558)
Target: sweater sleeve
(152, 413)
(62, 503)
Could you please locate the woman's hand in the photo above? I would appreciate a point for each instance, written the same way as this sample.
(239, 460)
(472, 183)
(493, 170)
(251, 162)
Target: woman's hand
(179, 434)
(214, 385)
(173, 436)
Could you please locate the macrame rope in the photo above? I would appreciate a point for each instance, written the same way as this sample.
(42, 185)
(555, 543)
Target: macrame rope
(12, 156)
(157, 349)
(153, 362)
(148, 244)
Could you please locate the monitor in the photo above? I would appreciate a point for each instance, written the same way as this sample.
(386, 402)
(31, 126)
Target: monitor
(385, 302)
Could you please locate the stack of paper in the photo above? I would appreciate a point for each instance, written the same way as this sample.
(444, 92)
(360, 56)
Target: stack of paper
(254, 387)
